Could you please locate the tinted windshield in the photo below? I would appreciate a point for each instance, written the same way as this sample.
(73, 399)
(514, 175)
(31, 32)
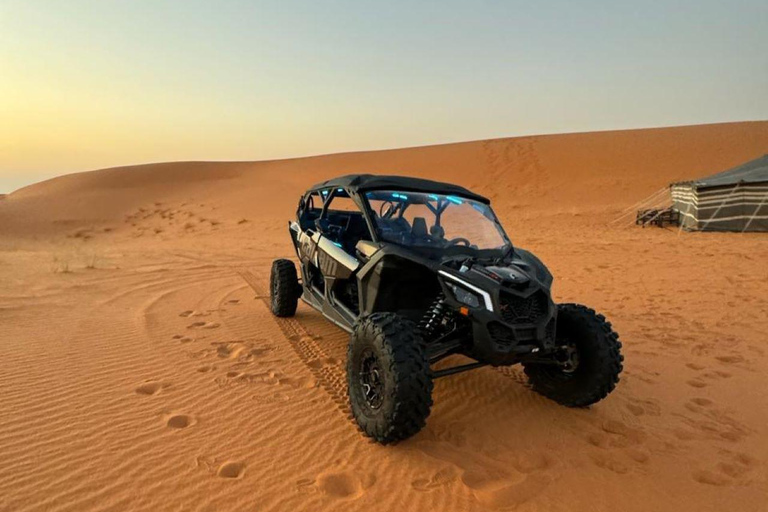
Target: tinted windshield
(418, 219)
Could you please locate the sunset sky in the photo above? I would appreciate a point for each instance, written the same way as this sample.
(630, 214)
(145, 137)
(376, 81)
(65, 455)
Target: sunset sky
(90, 84)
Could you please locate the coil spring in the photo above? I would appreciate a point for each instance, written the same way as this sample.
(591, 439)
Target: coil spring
(432, 317)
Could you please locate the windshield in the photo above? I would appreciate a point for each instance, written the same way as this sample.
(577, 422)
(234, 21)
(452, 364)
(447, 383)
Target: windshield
(417, 219)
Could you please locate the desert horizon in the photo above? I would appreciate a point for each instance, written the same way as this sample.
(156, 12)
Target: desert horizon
(364, 150)
(142, 368)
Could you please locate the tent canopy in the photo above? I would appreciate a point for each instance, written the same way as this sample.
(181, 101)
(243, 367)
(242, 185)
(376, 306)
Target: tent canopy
(754, 171)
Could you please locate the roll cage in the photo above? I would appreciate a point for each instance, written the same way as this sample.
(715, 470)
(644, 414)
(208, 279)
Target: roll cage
(345, 228)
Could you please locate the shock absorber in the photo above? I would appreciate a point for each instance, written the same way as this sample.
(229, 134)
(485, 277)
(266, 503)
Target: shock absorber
(432, 317)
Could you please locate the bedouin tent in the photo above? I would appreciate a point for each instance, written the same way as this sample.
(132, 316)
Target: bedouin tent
(732, 200)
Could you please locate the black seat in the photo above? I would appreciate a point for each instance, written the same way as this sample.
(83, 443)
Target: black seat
(419, 228)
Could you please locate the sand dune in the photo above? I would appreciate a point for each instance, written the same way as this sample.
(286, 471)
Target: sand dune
(140, 368)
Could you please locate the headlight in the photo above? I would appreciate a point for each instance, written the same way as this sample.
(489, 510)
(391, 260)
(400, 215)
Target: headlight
(465, 292)
(464, 296)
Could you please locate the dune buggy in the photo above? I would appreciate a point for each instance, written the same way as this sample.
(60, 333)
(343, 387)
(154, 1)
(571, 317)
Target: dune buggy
(418, 270)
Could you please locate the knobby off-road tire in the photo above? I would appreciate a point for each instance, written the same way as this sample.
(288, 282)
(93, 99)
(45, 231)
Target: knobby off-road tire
(600, 360)
(392, 345)
(284, 288)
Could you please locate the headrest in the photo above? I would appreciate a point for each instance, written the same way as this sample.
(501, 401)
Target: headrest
(419, 227)
(437, 231)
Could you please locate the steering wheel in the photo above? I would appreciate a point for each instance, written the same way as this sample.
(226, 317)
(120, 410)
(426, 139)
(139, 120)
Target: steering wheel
(386, 209)
(459, 240)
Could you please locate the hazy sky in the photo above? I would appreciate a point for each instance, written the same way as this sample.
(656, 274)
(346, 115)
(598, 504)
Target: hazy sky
(89, 84)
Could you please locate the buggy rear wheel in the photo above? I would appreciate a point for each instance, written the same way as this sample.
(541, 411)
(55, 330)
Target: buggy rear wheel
(589, 359)
(388, 378)
(284, 288)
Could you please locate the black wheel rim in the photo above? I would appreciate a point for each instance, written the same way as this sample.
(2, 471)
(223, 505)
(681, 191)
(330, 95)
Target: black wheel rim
(568, 358)
(371, 383)
(566, 361)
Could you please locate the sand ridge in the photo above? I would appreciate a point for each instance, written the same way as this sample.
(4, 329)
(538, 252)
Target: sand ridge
(141, 369)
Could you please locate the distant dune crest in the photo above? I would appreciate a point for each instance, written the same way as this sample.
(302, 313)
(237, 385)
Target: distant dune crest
(587, 171)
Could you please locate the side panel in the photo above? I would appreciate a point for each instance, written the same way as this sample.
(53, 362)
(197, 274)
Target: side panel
(295, 232)
(307, 246)
(333, 260)
(323, 264)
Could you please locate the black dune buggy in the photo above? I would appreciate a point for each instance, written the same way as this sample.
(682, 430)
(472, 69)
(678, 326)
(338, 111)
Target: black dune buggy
(417, 270)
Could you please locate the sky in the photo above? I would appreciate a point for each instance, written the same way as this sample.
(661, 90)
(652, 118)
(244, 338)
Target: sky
(93, 84)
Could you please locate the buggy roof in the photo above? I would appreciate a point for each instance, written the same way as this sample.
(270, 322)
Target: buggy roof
(368, 182)
(754, 171)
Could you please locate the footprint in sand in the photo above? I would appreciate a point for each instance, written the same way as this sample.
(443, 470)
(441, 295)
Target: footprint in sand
(710, 478)
(276, 377)
(150, 388)
(696, 383)
(528, 462)
(204, 325)
(231, 470)
(239, 350)
(180, 421)
(637, 455)
(606, 461)
(617, 430)
(718, 374)
(732, 359)
(616, 434)
(504, 490)
(229, 349)
(493, 483)
(682, 434)
(319, 363)
(298, 382)
(343, 485)
(257, 352)
(641, 407)
(442, 478)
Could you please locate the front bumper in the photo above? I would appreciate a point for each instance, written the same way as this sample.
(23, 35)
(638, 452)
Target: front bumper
(517, 321)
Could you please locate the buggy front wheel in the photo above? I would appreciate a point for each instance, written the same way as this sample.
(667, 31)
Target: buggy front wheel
(588, 360)
(388, 377)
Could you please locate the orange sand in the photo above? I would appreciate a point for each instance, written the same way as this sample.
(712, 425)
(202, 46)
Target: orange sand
(138, 371)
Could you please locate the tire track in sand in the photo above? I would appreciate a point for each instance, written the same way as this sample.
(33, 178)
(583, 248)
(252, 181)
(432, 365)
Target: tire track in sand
(328, 371)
